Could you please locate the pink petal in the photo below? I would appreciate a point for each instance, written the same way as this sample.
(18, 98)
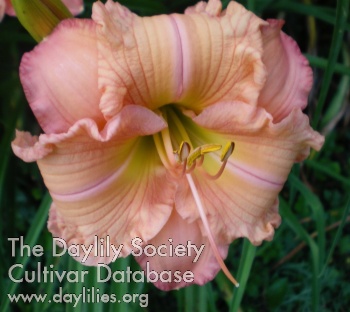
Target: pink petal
(244, 200)
(194, 59)
(179, 232)
(26, 147)
(59, 77)
(139, 58)
(105, 183)
(221, 55)
(289, 76)
(74, 6)
(9, 8)
(2, 9)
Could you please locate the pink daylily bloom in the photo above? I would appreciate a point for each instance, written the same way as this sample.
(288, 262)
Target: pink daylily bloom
(134, 112)
(74, 6)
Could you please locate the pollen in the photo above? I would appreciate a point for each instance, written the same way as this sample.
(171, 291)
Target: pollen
(195, 158)
(201, 151)
(227, 151)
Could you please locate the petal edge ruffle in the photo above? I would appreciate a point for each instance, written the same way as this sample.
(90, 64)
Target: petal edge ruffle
(58, 102)
(243, 201)
(105, 183)
(289, 76)
(181, 232)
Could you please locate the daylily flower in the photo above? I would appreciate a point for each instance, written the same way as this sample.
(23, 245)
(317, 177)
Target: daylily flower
(74, 6)
(170, 128)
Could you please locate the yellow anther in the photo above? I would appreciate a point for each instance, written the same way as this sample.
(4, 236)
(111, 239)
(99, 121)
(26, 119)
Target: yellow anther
(189, 159)
(208, 148)
(193, 156)
(200, 151)
(227, 151)
(182, 153)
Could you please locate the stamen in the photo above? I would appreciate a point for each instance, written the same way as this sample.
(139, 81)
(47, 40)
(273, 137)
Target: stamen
(178, 125)
(165, 134)
(218, 174)
(191, 168)
(167, 142)
(201, 151)
(196, 158)
(207, 228)
(182, 153)
(161, 150)
(200, 161)
(227, 151)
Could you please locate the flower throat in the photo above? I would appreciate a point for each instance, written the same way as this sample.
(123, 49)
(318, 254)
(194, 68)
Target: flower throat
(175, 147)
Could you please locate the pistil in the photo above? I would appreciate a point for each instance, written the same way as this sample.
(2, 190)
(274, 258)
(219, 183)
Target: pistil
(204, 219)
(176, 136)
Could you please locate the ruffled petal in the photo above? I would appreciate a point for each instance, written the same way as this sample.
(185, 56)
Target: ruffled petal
(139, 58)
(26, 147)
(243, 200)
(289, 76)
(194, 59)
(201, 263)
(221, 54)
(59, 77)
(110, 183)
(212, 8)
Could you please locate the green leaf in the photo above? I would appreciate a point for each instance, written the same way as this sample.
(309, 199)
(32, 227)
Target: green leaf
(338, 32)
(245, 265)
(31, 239)
(295, 225)
(276, 292)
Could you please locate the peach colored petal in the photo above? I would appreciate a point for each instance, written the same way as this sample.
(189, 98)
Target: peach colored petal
(212, 8)
(243, 201)
(289, 74)
(59, 77)
(194, 59)
(139, 58)
(130, 122)
(26, 147)
(221, 55)
(106, 183)
(179, 232)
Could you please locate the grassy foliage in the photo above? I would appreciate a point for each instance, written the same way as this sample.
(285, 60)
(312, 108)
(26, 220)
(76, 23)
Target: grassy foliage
(307, 265)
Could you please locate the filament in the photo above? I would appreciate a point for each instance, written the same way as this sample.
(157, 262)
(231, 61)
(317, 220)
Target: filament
(213, 245)
(218, 174)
